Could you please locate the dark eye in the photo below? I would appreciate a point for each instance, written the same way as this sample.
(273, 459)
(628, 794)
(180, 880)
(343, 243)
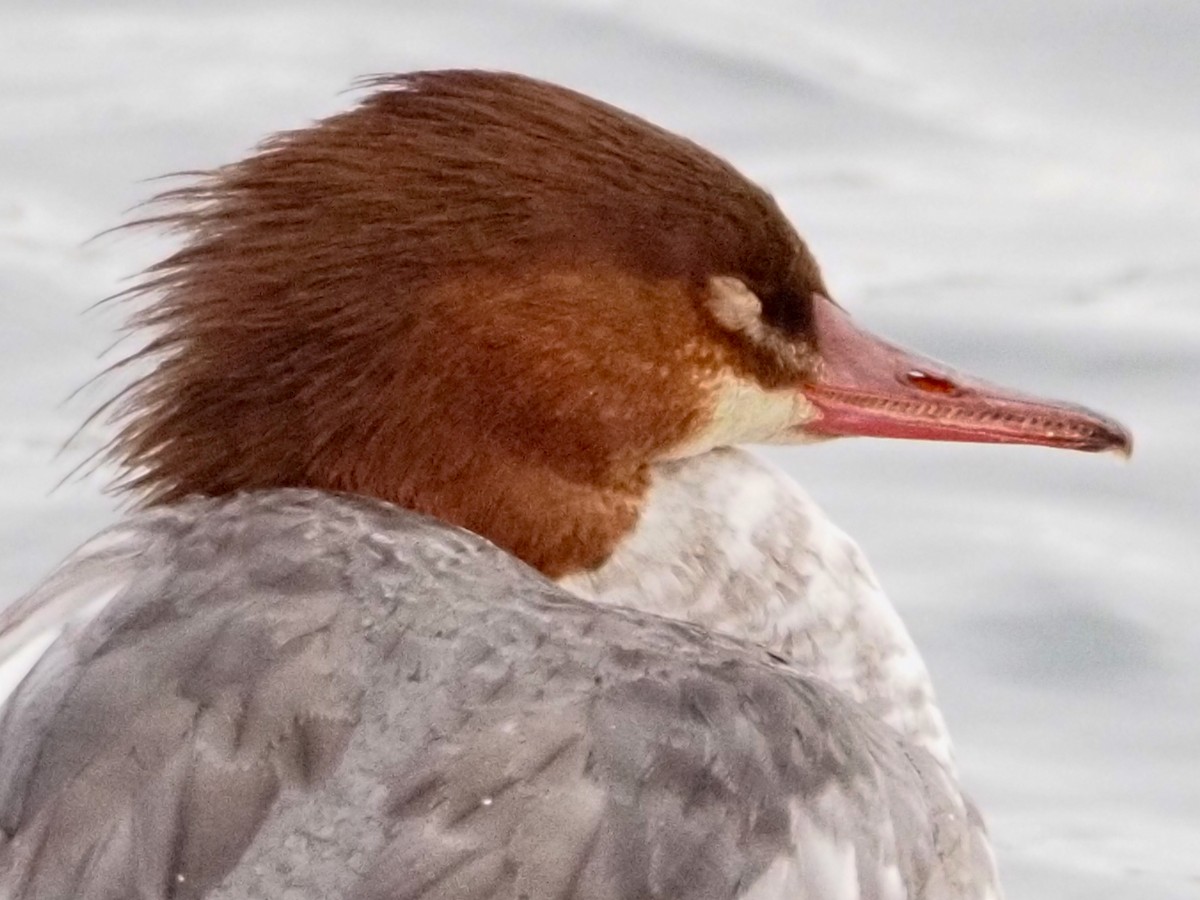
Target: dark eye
(788, 312)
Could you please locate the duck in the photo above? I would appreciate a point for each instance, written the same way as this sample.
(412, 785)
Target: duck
(447, 573)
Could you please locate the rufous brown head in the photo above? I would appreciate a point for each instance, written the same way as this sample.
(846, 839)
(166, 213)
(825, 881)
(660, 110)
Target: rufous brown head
(500, 302)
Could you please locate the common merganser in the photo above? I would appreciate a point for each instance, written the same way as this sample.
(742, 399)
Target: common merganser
(412, 366)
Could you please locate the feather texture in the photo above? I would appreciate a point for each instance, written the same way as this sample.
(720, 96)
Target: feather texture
(304, 695)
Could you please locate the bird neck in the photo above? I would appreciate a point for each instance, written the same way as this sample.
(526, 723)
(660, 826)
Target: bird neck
(730, 543)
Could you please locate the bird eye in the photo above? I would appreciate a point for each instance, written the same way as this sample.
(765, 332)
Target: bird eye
(776, 324)
(788, 312)
(740, 308)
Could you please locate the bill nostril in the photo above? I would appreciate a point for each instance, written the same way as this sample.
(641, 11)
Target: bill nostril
(932, 384)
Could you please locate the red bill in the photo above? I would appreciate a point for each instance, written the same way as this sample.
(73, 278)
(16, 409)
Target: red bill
(866, 386)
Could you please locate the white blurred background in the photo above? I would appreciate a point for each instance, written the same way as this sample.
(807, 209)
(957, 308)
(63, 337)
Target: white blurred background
(1011, 185)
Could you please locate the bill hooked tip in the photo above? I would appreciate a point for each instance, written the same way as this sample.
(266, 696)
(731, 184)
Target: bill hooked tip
(1121, 442)
(1087, 430)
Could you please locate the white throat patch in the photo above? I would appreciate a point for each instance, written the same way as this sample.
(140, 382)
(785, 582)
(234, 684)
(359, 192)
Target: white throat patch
(745, 413)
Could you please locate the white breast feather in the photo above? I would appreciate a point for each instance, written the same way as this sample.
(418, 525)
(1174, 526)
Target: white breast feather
(729, 542)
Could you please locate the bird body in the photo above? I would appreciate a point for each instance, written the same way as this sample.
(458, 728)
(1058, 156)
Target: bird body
(448, 579)
(303, 694)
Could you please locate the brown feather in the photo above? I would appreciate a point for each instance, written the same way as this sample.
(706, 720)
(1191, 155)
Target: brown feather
(403, 300)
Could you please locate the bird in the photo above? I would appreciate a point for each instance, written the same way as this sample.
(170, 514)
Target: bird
(447, 573)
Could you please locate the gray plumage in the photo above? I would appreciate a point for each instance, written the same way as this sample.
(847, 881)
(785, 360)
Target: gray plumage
(303, 695)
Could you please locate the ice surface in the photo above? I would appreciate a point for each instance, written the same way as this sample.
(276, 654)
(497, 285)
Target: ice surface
(1010, 186)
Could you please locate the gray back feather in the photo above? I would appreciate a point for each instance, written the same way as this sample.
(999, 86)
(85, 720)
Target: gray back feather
(302, 695)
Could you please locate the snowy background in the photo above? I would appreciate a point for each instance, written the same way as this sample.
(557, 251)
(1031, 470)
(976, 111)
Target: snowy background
(1012, 186)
